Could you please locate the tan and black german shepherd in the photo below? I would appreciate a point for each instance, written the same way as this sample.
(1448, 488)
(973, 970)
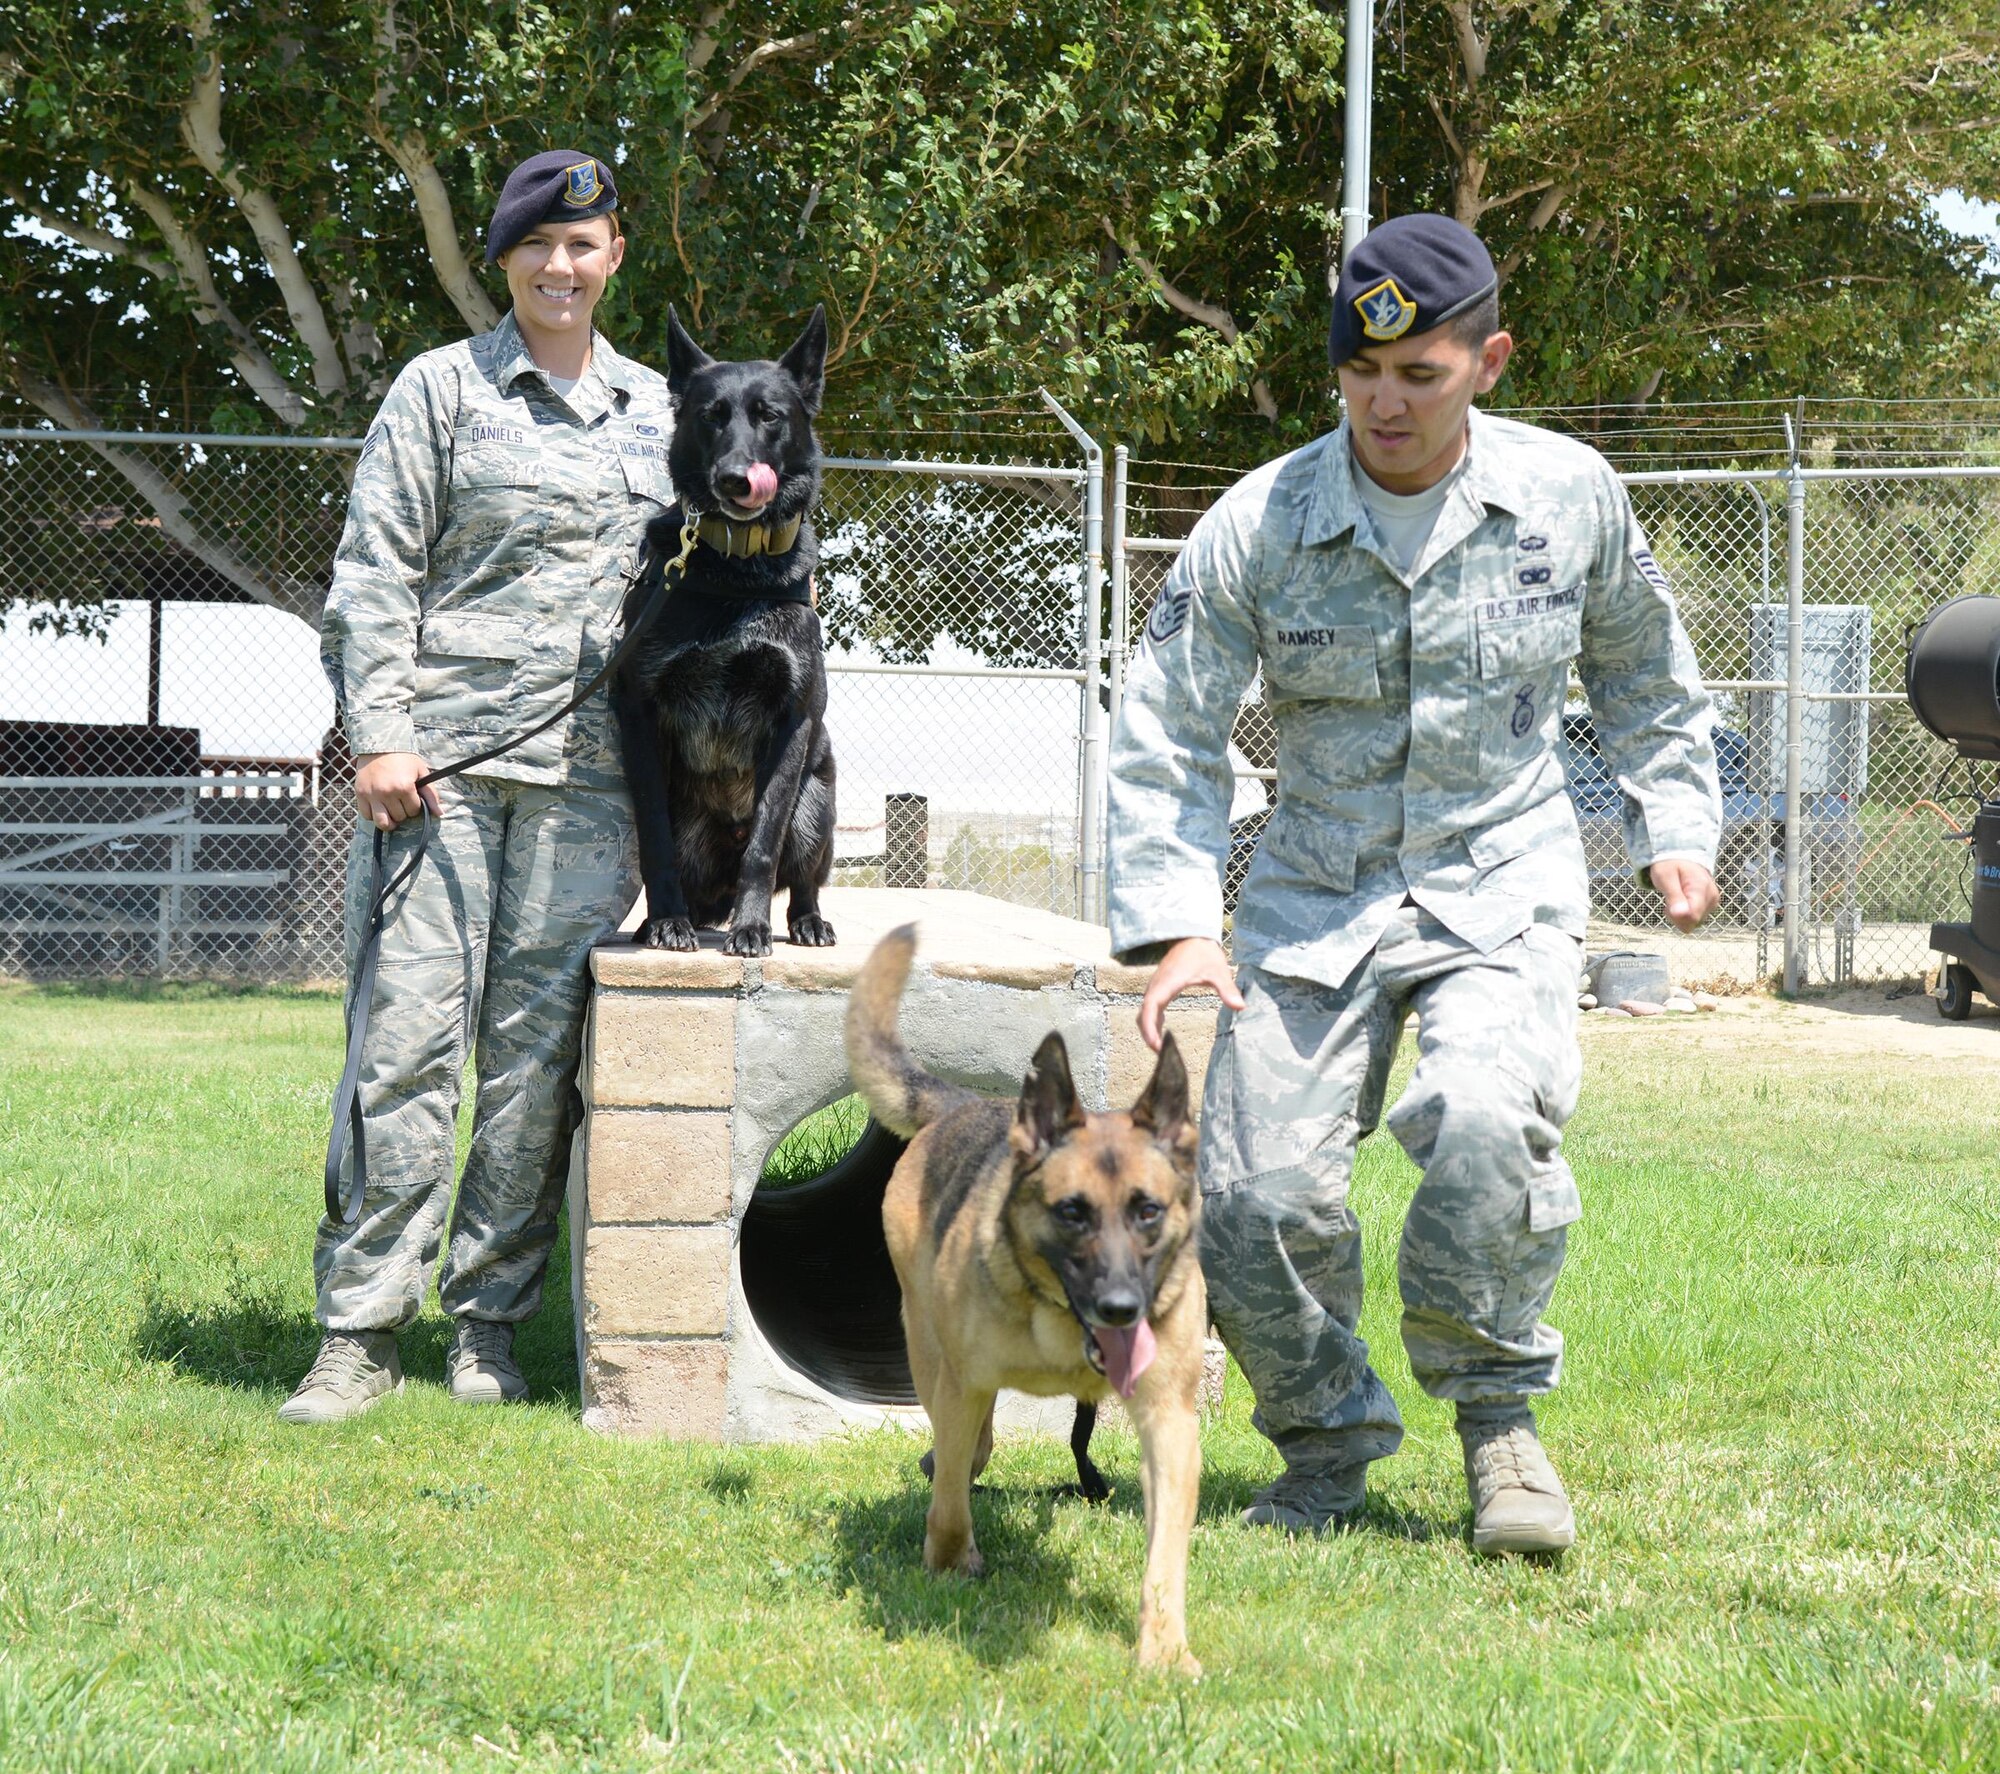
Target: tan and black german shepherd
(1049, 1250)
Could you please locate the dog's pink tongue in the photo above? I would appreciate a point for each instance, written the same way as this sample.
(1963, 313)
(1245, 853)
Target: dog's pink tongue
(763, 483)
(1127, 1354)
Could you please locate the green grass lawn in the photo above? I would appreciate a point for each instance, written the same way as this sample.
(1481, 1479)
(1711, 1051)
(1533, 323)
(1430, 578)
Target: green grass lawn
(1780, 1424)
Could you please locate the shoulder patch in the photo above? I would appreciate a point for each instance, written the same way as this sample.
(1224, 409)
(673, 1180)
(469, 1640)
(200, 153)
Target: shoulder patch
(1651, 571)
(368, 444)
(1170, 614)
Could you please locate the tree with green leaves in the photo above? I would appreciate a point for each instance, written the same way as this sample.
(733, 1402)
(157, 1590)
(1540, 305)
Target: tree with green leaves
(236, 215)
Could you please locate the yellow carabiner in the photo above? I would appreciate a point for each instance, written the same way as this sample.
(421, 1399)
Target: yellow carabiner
(690, 535)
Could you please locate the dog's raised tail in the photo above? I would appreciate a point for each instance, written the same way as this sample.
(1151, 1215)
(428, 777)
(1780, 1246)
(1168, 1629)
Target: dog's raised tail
(900, 1094)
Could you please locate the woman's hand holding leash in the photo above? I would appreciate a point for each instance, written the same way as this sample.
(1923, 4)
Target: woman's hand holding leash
(1193, 961)
(388, 788)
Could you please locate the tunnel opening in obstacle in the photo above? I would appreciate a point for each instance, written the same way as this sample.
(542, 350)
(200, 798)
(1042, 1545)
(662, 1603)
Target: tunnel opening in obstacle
(815, 1266)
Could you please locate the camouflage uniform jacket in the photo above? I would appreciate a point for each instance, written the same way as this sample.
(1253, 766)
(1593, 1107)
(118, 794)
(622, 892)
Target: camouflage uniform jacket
(491, 531)
(1418, 719)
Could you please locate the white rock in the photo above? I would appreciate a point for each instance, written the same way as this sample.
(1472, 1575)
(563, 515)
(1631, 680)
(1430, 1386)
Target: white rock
(1706, 1001)
(1587, 1002)
(1611, 1010)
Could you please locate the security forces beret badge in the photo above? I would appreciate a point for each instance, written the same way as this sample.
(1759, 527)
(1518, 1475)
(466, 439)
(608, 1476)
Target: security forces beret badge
(1410, 275)
(1386, 313)
(556, 185)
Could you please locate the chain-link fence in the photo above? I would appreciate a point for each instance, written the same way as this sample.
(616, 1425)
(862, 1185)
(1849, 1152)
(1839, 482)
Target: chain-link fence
(175, 793)
(1848, 887)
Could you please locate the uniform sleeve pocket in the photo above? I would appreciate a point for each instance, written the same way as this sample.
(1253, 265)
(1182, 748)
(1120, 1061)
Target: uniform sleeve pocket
(1553, 1201)
(1335, 664)
(472, 635)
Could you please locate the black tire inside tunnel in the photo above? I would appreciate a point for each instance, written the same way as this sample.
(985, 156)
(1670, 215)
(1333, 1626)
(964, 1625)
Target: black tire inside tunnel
(817, 1274)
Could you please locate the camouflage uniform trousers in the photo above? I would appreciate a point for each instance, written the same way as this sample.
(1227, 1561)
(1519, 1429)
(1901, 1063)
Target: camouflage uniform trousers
(487, 947)
(1297, 1078)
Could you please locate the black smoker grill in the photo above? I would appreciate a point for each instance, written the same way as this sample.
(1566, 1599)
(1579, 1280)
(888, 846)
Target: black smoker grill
(1953, 677)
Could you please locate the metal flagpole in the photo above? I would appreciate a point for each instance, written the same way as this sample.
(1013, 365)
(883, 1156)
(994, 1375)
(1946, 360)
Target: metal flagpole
(1360, 125)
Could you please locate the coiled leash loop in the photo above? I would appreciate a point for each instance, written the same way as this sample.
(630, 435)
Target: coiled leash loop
(344, 1205)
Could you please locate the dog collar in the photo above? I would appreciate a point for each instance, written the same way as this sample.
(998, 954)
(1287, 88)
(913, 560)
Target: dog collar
(734, 539)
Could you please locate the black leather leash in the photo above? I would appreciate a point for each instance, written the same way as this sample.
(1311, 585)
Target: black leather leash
(344, 1205)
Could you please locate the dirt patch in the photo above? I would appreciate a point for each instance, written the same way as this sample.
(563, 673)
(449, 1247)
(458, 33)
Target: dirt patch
(1866, 1021)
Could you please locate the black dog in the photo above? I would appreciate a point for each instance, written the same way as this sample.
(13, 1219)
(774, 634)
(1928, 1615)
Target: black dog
(722, 708)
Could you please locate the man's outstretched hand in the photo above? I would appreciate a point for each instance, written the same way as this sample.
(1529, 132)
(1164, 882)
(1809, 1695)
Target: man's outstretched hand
(1193, 961)
(1689, 890)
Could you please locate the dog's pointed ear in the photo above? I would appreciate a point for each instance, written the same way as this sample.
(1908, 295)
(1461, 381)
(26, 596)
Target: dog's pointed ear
(1162, 1108)
(684, 356)
(1048, 1112)
(805, 363)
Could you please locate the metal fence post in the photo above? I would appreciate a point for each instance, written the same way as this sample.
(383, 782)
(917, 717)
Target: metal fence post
(1121, 582)
(1795, 646)
(1090, 825)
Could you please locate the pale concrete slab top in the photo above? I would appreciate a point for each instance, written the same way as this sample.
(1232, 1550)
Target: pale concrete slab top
(959, 935)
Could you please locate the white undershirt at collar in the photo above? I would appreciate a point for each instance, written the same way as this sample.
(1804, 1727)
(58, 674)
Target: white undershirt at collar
(1403, 521)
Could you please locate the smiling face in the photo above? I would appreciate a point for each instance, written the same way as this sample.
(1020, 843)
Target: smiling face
(1407, 401)
(556, 272)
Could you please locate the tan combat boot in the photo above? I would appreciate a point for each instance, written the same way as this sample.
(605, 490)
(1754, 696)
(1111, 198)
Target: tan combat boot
(351, 1371)
(482, 1365)
(1309, 1500)
(1518, 1503)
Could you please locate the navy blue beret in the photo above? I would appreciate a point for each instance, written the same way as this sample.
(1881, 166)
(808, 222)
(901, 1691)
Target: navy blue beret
(1408, 275)
(558, 186)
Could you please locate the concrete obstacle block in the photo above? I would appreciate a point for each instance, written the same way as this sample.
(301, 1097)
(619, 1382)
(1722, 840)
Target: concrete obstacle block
(708, 1308)
(1624, 977)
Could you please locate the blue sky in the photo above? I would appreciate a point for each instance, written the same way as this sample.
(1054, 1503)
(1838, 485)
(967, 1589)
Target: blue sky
(1972, 217)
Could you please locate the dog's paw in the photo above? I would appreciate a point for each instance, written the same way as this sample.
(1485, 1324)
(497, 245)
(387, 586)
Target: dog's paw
(812, 932)
(749, 939)
(666, 933)
(970, 1564)
(1165, 1658)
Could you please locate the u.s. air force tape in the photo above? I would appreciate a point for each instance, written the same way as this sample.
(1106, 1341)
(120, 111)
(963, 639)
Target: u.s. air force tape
(1169, 617)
